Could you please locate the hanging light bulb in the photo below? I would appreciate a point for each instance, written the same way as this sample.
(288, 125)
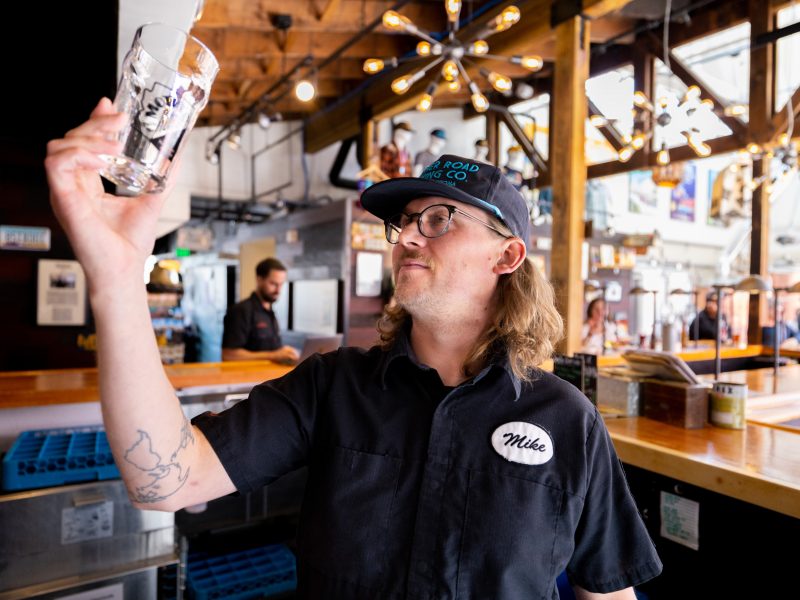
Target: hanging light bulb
(532, 62)
(499, 82)
(263, 120)
(695, 143)
(402, 84)
(234, 140)
(506, 19)
(396, 22)
(479, 47)
(707, 103)
(305, 90)
(373, 65)
(425, 103)
(624, 155)
(597, 121)
(662, 102)
(479, 102)
(627, 137)
(450, 70)
(640, 100)
(692, 93)
(753, 148)
(735, 110)
(452, 8)
(453, 86)
(424, 48)
(662, 158)
(638, 140)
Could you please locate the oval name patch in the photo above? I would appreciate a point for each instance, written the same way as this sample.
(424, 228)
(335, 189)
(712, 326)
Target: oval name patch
(522, 442)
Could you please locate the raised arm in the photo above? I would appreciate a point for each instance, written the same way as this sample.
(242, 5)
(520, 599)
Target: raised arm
(165, 462)
(284, 354)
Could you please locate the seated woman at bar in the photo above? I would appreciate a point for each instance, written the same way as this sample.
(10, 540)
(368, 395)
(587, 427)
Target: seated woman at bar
(592, 332)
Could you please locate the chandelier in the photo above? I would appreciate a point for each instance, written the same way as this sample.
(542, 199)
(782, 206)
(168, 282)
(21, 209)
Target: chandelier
(451, 53)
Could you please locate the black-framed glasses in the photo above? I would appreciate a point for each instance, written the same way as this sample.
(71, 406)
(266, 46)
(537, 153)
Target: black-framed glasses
(432, 222)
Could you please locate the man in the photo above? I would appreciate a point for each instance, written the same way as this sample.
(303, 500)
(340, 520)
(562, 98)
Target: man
(442, 464)
(250, 327)
(703, 326)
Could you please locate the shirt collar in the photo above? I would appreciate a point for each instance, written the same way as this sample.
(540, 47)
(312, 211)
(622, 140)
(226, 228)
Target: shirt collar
(402, 348)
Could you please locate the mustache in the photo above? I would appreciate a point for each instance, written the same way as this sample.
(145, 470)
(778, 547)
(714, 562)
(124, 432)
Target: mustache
(416, 257)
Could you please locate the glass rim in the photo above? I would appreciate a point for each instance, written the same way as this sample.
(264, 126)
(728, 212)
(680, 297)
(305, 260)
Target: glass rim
(157, 24)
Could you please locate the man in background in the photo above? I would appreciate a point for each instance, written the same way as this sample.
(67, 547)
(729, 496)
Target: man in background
(705, 328)
(251, 330)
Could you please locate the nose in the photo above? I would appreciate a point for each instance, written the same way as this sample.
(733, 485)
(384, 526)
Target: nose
(410, 235)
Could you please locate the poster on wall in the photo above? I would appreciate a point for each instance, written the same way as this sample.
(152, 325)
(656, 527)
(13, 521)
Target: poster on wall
(369, 273)
(682, 203)
(643, 199)
(61, 293)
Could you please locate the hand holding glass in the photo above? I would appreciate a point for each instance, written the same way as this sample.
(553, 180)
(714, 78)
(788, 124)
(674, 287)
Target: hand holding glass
(165, 83)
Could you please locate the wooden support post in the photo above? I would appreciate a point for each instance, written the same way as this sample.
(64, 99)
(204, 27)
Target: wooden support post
(367, 143)
(568, 172)
(759, 130)
(644, 80)
(493, 137)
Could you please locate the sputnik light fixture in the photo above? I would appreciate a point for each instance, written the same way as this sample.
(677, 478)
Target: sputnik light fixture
(452, 53)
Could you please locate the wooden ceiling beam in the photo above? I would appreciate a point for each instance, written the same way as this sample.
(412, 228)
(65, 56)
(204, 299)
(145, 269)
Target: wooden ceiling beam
(608, 131)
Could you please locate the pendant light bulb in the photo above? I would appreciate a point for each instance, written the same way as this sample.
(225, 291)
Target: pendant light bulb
(424, 48)
(662, 158)
(625, 154)
(425, 103)
(453, 9)
(532, 62)
(453, 86)
(305, 91)
(499, 82)
(401, 84)
(395, 21)
(479, 102)
(479, 47)
(373, 65)
(505, 20)
(450, 70)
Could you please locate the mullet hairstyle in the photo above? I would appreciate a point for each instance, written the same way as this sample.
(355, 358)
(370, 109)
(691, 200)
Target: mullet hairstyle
(526, 324)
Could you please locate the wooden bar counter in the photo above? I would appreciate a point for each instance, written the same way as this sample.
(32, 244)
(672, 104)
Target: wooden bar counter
(64, 386)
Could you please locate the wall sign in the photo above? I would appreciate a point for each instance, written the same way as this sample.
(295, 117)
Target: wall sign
(13, 237)
(61, 293)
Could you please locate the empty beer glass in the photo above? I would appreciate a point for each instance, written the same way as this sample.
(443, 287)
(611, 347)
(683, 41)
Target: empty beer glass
(165, 83)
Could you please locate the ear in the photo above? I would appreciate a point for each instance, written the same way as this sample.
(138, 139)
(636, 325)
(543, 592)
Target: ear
(512, 254)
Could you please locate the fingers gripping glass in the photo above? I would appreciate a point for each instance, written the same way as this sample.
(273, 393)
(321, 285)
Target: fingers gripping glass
(432, 222)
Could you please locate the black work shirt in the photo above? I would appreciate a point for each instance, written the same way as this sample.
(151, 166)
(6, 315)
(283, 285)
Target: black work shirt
(250, 326)
(707, 328)
(488, 491)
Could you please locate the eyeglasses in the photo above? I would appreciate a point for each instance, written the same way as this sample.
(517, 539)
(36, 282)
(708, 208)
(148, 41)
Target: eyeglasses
(432, 222)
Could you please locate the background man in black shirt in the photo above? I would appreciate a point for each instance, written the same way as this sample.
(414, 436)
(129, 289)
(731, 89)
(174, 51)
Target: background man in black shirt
(705, 326)
(250, 328)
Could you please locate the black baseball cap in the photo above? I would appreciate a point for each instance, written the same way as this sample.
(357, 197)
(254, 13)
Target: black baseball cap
(469, 181)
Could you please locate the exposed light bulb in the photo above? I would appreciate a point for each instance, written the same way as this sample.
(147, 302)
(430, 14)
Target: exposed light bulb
(640, 100)
(783, 139)
(627, 137)
(663, 102)
(424, 48)
(597, 121)
(304, 90)
(234, 140)
(373, 65)
(753, 148)
(532, 62)
(425, 103)
(450, 70)
(692, 92)
(453, 86)
(707, 103)
(638, 141)
(401, 84)
(624, 155)
(263, 120)
(499, 82)
(506, 19)
(695, 143)
(452, 8)
(479, 102)
(662, 158)
(395, 21)
(735, 110)
(479, 47)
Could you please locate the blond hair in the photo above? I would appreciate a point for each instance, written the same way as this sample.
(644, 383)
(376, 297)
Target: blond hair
(526, 324)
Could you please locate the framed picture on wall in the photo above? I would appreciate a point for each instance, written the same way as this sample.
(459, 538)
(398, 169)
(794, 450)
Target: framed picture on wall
(61, 293)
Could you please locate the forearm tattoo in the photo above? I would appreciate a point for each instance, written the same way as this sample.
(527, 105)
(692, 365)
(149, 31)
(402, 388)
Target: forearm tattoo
(164, 478)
